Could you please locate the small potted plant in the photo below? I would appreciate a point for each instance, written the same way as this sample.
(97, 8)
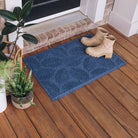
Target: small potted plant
(21, 87)
(18, 14)
(5, 72)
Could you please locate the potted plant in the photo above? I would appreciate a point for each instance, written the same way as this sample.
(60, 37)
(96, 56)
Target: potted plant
(5, 72)
(21, 87)
(18, 15)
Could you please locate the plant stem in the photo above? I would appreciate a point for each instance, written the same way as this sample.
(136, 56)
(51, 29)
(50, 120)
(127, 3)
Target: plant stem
(12, 51)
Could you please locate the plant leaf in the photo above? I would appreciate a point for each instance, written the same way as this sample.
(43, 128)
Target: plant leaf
(31, 103)
(20, 102)
(2, 46)
(18, 99)
(23, 76)
(3, 56)
(26, 9)
(30, 38)
(5, 70)
(29, 78)
(8, 15)
(17, 12)
(8, 24)
(9, 28)
(1, 37)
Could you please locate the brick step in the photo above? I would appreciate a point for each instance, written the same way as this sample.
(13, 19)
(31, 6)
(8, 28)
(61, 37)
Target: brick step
(59, 34)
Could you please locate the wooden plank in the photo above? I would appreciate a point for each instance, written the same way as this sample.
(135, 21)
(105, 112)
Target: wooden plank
(115, 108)
(20, 122)
(86, 122)
(42, 122)
(130, 72)
(125, 82)
(75, 37)
(133, 39)
(128, 57)
(122, 40)
(105, 119)
(120, 94)
(6, 130)
(58, 114)
(136, 35)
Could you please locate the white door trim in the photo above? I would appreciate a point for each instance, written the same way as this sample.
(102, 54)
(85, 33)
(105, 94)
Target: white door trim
(125, 17)
(94, 9)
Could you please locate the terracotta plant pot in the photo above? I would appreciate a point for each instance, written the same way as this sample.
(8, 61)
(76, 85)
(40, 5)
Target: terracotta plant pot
(25, 102)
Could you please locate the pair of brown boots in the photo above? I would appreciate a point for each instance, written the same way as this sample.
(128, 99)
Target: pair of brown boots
(103, 42)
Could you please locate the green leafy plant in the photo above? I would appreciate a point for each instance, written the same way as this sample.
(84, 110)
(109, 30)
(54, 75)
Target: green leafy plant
(18, 15)
(20, 86)
(5, 70)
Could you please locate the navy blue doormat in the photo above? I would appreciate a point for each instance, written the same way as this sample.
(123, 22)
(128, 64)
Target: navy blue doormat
(66, 68)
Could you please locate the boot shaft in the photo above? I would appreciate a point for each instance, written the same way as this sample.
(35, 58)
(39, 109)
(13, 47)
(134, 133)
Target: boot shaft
(101, 33)
(107, 45)
(109, 41)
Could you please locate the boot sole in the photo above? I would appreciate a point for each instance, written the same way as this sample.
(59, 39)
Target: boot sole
(107, 55)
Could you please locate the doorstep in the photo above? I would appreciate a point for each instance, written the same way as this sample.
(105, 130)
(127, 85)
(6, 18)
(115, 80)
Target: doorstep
(57, 29)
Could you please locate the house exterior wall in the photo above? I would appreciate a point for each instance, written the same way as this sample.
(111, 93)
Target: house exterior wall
(125, 18)
(88, 22)
(108, 8)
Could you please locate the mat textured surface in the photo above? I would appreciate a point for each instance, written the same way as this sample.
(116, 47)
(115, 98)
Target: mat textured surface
(66, 68)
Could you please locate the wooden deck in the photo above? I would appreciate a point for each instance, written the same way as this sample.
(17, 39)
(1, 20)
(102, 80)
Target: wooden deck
(105, 108)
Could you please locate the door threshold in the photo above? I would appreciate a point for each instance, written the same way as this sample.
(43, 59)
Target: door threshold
(55, 23)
